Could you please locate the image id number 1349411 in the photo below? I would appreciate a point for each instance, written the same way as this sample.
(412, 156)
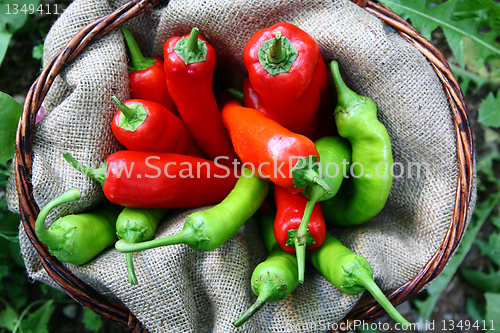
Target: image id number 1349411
(450, 325)
(46, 9)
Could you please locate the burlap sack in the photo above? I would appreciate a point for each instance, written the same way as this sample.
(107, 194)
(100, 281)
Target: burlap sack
(182, 290)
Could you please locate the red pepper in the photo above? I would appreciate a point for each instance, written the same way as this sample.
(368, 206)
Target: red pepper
(189, 65)
(326, 125)
(160, 180)
(288, 75)
(273, 151)
(147, 76)
(148, 126)
(290, 210)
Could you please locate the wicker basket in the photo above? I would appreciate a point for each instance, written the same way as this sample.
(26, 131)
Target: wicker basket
(119, 314)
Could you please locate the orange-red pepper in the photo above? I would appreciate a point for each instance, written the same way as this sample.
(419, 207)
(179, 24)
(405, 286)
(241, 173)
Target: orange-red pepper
(273, 152)
(147, 76)
(288, 75)
(189, 66)
(148, 126)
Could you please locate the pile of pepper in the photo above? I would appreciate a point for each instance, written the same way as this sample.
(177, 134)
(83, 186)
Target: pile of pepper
(293, 147)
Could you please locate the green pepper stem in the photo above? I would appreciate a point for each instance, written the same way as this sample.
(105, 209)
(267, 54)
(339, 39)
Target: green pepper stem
(304, 223)
(96, 174)
(132, 278)
(313, 177)
(345, 96)
(364, 278)
(300, 253)
(183, 237)
(301, 239)
(127, 112)
(301, 232)
(139, 62)
(192, 42)
(276, 51)
(50, 238)
(236, 93)
(265, 293)
(135, 53)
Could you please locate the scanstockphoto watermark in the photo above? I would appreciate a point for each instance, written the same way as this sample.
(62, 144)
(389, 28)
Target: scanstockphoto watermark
(154, 167)
(356, 325)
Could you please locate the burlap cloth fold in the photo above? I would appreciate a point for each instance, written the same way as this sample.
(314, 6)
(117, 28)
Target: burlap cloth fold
(182, 290)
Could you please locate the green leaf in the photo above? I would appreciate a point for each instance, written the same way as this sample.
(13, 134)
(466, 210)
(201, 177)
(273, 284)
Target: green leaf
(481, 213)
(491, 248)
(10, 111)
(474, 309)
(468, 77)
(480, 280)
(38, 321)
(8, 317)
(4, 44)
(91, 320)
(12, 18)
(427, 19)
(485, 164)
(493, 310)
(485, 75)
(485, 12)
(489, 112)
(37, 52)
(12, 15)
(16, 291)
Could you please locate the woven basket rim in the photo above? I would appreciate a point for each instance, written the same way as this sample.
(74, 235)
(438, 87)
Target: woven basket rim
(118, 313)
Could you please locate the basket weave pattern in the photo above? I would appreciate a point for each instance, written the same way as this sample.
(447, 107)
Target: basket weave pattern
(119, 314)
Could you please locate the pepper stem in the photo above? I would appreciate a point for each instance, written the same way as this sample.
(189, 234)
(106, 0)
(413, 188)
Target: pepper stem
(183, 237)
(236, 93)
(345, 96)
(300, 253)
(364, 279)
(192, 42)
(302, 230)
(301, 239)
(98, 174)
(264, 295)
(47, 237)
(313, 177)
(132, 278)
(191, 49)
(129, 113)
(139, 62)
(276, 52)
(305, 173)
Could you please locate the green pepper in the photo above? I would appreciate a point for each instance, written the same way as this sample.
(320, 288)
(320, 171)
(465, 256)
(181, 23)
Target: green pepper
(349, 272)
(136, 225)
(371, 179)
(209, 229)
(276, 277)
(77, 238)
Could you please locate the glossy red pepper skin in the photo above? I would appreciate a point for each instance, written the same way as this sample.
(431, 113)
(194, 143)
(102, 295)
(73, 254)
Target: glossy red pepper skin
(161, 131)
(191, 89)
(290, 210)
(146, 75)
(150, 84)
(291, 98)
(161, 180)
(270, 148)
